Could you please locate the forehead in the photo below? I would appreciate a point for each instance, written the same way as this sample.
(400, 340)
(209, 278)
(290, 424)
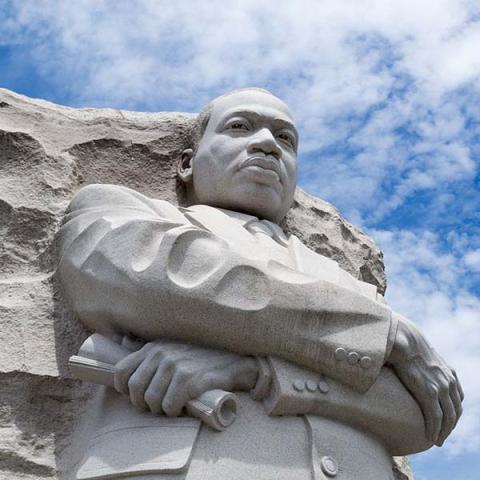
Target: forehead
(253, 101)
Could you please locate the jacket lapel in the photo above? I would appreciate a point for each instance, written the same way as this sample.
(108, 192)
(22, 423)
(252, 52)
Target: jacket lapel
(229, 229)
(230, 226)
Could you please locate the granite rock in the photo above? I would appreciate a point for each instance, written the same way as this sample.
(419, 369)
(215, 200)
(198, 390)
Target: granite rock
(47, 152)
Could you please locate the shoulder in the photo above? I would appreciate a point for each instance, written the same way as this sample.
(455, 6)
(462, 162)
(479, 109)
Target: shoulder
(117, 197)
(98, 194)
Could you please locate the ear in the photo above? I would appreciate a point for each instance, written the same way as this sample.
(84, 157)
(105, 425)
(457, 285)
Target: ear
(184, 169)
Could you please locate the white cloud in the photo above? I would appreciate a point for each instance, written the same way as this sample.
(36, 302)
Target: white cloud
(472, 260)
(386, 94)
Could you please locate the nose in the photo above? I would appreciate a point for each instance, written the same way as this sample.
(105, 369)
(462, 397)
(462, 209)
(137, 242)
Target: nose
(263, 141)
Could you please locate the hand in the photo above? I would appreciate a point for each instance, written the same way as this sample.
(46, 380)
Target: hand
(164, 376)
(433, 384)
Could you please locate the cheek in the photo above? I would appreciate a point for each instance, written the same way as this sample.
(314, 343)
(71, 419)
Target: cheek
(225, 149)
(215, 162)
(291, 170)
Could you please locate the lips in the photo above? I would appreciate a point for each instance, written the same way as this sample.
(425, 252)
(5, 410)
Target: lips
(264, 165)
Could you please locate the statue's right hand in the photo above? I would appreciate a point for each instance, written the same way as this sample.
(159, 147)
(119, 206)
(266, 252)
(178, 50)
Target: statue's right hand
(163, 376)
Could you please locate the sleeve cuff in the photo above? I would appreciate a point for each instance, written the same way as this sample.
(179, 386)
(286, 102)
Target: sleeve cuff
(262, 387)
(391, 336)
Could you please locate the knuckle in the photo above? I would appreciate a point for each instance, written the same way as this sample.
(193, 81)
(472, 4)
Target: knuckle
(136, 398)
(120, 382)
(151, 399)
(168, 407)
(133, 384)
(183, 372)
(444, 389)
(150, 396)
(168, 362)
(453, 387)
(432, 389)
(157, 354)
(120, 370)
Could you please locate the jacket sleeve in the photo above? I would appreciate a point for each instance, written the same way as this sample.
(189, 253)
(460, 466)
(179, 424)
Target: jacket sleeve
(386, 410)
(137, 266)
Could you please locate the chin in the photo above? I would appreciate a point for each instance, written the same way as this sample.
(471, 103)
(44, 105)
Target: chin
(255, 199)
(264, 206)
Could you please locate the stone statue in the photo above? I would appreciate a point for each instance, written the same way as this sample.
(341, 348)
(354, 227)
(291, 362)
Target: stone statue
(214, 296)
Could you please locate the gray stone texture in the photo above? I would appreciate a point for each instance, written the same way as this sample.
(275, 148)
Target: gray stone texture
(47, 152)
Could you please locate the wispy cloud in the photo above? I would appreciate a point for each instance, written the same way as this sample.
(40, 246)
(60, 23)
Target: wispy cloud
(382, 90)
(386, 94)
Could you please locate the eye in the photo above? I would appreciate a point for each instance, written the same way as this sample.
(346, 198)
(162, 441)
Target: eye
(238, 124)
(287, 137)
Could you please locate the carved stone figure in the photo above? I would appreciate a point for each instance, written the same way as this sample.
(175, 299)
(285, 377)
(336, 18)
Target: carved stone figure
(214, 296)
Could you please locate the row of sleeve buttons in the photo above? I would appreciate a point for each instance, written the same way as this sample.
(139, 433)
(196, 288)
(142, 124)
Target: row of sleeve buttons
(352, 358)
(310, 386)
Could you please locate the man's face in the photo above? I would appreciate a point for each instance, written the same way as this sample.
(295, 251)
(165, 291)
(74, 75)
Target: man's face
(247, 158)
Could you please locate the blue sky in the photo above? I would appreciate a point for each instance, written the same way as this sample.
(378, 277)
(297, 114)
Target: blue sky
(387, 99)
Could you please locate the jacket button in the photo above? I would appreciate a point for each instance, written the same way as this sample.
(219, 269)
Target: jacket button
(323, 386)
(352, 358)
(329, 466)
(365, 362)
(311, 386)
(298, 385)
(340, 354)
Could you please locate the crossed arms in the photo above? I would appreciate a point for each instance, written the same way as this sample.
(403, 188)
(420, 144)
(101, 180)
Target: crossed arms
(138, 266)
(133, 265)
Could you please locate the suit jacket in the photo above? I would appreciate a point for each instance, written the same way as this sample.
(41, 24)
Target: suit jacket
(131, 264)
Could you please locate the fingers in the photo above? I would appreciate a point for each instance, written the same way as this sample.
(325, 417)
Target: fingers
(433, 415)
(459, 385)
(449, 417)
(177, 394)
(164, 376)
(126, 367)
(146, 375)
(140, 380)
(186, 385)
(442, 407)
(158, 386)
(457, 401)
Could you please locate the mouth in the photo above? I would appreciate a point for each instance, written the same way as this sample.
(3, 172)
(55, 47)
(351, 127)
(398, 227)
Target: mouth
(265, 167)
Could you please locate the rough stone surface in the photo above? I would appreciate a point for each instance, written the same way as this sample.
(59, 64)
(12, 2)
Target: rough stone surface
(47, 152)
(319, 225)
(402, 469)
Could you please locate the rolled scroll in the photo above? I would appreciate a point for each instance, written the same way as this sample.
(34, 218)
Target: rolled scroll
(95, 363)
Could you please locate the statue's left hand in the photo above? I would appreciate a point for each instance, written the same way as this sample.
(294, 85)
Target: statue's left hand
(163, 376)
(432, 383)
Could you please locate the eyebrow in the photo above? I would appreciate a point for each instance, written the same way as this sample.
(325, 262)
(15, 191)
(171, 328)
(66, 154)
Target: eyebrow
(282, 122)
